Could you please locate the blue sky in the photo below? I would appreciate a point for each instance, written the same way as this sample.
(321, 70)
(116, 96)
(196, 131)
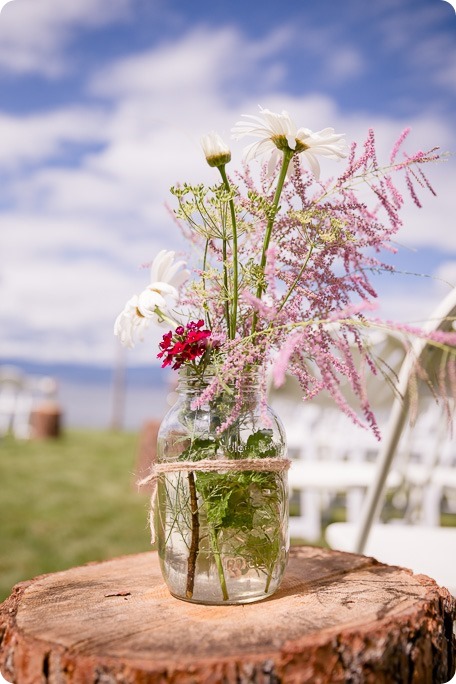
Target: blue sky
(101, 110)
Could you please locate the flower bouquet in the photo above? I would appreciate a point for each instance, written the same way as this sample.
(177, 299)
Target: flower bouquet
(281, 284)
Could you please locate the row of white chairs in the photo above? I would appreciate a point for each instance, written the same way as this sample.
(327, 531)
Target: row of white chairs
(331, 457)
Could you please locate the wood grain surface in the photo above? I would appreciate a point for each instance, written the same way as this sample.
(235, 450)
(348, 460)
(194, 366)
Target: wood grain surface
(337, 617)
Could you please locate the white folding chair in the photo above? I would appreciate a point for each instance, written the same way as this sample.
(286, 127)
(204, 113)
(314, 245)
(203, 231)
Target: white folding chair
(16, 401)
(330, 455)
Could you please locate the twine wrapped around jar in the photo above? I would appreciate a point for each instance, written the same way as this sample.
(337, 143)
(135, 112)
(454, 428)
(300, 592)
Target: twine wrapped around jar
(206, 466)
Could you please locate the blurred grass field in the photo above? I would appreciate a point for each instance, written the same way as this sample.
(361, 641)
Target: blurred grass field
(68, 501)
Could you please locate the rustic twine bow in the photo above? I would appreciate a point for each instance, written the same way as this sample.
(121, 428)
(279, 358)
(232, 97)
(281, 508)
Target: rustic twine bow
(207, 466)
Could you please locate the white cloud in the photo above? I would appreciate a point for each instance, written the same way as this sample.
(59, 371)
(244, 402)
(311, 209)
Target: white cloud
(446, 75)
(415, 34)
(446, 273)
(63, 284)
(344, 64)
(175, 67)
(33, 33)
(201, 62)
(410, 302)
(36, 137)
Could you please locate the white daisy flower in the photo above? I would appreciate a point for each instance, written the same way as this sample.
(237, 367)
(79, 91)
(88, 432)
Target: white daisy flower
(130, 323)
(165, 270)
(278, 132)
(154, 303)
(216, 151)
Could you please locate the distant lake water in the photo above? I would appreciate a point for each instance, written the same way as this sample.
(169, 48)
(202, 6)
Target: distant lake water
(91, 404)
(88, 399)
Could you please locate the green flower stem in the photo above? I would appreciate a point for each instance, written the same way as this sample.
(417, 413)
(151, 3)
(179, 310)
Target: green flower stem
(226, 285)
(232, 329)
(194, 545)
(206, 247)
(218, 562)
(287, 156)
(162, 316)
(297, 279)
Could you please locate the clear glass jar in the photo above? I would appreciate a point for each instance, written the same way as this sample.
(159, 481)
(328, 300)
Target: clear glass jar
(222, 536)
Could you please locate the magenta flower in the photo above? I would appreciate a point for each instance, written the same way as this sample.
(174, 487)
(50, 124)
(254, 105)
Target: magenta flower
(184, 345)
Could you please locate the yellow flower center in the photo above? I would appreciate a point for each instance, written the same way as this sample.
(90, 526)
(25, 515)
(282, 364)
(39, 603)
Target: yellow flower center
(300, 146)
(281, 143)
(219, 159)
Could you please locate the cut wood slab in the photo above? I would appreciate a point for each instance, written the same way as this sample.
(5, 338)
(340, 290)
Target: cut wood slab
(338, 617)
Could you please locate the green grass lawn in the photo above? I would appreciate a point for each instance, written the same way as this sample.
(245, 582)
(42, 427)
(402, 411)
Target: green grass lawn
(68, 501)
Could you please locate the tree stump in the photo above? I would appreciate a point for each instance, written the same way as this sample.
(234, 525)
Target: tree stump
(337, 617)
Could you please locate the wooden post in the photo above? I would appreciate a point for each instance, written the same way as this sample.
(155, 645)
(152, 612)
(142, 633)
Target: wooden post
(46, 420)
(147, 449)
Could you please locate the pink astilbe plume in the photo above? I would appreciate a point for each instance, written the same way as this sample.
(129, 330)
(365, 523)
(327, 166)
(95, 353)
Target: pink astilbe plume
(281, 363)
(337, 237)
(398, 144)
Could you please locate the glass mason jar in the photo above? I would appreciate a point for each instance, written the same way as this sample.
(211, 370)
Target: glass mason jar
(222, 535)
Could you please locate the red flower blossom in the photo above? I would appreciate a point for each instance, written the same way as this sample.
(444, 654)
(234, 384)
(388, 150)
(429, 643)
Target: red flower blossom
(184, 345)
